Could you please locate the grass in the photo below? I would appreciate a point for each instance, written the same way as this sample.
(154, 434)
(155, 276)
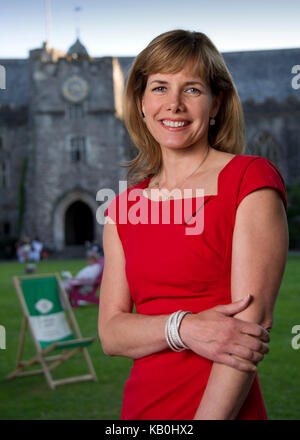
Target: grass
(280, 370)
(30, 398)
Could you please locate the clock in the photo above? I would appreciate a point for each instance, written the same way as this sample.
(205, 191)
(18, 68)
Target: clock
(75, 89)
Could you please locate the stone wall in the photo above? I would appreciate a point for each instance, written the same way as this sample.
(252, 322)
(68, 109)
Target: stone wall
(38, 122)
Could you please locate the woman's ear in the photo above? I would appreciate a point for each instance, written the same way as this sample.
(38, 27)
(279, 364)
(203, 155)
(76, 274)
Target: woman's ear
(143, 108)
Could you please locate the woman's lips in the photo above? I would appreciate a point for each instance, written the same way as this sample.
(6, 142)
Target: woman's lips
(174, 124)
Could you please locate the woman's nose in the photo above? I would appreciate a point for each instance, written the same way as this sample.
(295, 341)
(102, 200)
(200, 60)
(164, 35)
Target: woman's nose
(174, 103)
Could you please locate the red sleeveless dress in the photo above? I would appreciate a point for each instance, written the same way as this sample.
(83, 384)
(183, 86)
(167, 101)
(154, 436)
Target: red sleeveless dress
(170, 269)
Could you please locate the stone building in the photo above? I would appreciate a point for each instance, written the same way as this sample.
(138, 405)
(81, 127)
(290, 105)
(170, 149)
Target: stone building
(62, 137)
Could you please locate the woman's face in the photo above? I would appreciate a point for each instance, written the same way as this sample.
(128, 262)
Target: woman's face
(177, 109)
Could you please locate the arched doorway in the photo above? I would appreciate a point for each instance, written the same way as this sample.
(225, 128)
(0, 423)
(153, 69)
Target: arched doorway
(88, 205)
(79, 224)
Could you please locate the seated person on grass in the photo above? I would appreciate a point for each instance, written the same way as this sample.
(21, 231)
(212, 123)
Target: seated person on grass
(86, 277)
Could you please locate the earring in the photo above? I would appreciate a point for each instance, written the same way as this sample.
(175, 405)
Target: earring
(212, 121)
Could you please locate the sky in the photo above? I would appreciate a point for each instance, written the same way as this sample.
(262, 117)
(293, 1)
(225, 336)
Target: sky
(125, 27)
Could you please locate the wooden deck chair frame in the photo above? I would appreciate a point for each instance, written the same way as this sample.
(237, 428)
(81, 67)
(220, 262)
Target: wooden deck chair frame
(40, 357)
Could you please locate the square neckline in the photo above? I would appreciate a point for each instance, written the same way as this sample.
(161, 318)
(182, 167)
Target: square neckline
(146, 181)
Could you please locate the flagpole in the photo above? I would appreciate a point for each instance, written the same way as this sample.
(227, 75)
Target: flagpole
(48, 20)
(77, 9)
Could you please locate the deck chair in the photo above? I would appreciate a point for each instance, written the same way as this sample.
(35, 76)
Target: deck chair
(46, 307)
(92, 297)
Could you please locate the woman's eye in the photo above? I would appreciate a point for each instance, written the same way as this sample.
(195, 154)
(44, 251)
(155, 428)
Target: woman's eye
(159, 89)
(193, 91)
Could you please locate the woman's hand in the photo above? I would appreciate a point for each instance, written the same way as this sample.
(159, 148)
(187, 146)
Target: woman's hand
(216, 335)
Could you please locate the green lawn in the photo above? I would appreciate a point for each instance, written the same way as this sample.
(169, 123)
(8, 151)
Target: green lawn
(30, 397)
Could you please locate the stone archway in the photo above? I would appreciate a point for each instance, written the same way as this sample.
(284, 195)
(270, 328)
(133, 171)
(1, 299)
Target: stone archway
(77, 215)
(75, 220)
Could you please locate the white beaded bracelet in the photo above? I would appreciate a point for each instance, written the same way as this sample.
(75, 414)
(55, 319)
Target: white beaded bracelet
(172, 331)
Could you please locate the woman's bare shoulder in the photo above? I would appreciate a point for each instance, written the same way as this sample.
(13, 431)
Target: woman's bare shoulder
(221, 158)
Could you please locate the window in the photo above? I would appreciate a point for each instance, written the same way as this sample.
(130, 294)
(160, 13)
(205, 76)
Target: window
(3, 174)
(78, 149)
(263, 144)
(76, 111)
(6, 228)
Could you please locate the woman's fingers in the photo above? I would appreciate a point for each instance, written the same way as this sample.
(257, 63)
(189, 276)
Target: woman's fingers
(220, 338)
(247, 348)
(246, 353)
(253, 344)
(251, 328)
(235, 307)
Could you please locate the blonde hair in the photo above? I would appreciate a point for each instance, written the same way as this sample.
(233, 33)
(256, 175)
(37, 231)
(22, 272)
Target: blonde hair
(171, 52)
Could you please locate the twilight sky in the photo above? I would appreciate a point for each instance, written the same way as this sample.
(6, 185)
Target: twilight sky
(125, 27)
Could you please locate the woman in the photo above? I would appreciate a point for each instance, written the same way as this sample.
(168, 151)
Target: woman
(184, 115)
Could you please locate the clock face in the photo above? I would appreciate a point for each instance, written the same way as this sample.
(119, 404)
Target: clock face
(75, 89)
